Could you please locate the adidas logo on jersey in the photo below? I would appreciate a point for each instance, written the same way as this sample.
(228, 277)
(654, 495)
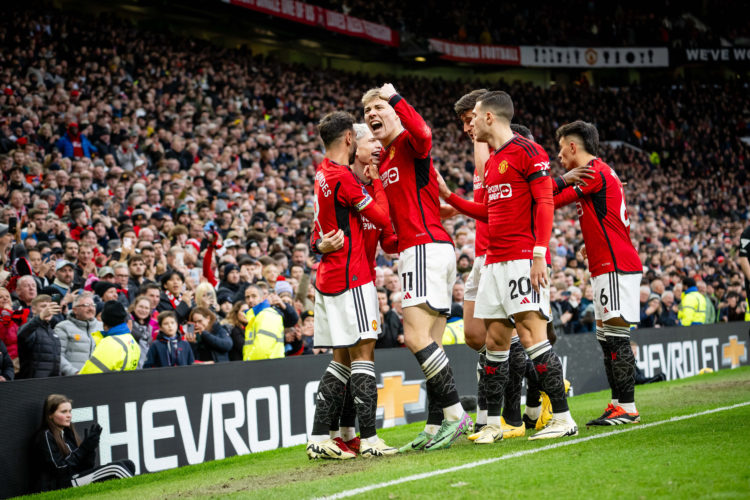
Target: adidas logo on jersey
(525, 301)
(407, 296)
(605, 310)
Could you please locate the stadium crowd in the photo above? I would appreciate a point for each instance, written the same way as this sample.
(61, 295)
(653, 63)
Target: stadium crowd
(582, 22)
(175, 178)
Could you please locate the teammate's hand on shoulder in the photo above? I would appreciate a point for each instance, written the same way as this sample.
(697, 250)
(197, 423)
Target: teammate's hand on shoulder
(539, 274)
(447, 211)
(578, 174)
(582, 255)
(442, 186)
(387, 91)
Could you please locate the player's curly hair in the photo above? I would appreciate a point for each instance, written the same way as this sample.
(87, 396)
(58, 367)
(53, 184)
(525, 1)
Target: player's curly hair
(333, 125)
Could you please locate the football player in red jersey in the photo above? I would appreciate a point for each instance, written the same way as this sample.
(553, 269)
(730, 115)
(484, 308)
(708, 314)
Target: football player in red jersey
(427, 261)
(615, 266)
(518, 206)
(342, 428)
(346, 304)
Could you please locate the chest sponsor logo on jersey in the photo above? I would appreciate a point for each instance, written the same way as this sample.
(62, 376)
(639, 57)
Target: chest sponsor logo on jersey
(503, 167)
(478, 182)
(389, 176)
(499, 191)
(324, 188)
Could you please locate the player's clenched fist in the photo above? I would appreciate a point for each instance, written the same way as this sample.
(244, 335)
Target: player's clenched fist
(387, 91)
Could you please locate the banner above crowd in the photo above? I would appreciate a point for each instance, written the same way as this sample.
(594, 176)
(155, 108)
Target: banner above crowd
(552, 57)
(466, 52)
(594, 57)
(312, 15)
(713, 55)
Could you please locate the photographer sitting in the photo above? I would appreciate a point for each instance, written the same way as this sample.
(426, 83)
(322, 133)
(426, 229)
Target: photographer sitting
(63, 458)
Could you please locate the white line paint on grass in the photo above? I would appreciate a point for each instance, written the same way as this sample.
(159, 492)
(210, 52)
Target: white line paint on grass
(559, 444)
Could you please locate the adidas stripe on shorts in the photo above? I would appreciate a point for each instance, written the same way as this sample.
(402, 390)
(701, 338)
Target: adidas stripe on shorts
(428, 273)
(505, 289)
(617, 295)
(343, 320)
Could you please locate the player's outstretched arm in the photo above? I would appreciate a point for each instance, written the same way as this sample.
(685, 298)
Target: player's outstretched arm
(474, 210)
(420, 134)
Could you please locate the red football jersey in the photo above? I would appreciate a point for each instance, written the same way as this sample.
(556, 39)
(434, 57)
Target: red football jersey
(410, 181)
(374, 235)
(482, 237)
(339, 197)
(604, 221)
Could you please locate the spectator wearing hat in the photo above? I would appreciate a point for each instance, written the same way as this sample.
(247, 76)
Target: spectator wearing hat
(118, 350)
(168, 349)
(225, 301)
(38, 345)
(231, 279)
(454, 327)
(74, 144)
(282, 301)
(64, 274)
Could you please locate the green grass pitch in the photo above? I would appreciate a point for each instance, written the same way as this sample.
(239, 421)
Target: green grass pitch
(705, 456)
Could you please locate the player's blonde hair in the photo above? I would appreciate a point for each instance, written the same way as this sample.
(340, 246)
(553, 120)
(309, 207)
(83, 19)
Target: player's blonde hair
(370, 95)
(360, 130)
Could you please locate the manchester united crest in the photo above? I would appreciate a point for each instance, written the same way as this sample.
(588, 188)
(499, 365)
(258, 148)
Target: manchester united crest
(503, 167)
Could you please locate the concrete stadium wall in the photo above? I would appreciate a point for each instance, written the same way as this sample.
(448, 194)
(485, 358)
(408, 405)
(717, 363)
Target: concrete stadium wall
(169, 417)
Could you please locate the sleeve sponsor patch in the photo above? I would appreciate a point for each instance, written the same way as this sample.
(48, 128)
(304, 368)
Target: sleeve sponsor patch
(364, 202)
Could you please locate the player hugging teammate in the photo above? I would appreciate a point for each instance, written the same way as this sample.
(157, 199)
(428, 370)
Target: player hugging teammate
(515, 198)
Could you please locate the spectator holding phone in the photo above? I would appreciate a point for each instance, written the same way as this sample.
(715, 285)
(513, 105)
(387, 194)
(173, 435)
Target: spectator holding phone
(63, 459)
(209, 339)
(168, 349)
(38, 344)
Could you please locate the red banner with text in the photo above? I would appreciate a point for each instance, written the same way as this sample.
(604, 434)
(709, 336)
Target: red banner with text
(312, 15)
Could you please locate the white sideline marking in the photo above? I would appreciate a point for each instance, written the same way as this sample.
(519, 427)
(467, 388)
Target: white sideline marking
(559, 444)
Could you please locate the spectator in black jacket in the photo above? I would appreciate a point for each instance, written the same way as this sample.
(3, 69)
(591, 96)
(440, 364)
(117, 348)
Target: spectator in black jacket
(173, 297)
(38, 344)
(64, 459)
(210, 340)
(392, 330)
(6, 364)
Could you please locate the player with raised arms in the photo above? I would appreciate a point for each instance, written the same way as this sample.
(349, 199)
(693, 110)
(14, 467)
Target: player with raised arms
(346, 303)
(614, 264)
(427, 262)
(514, 285)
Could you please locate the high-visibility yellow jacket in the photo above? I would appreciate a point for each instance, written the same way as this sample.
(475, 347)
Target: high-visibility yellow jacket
(264, 333)
(692, 308)
(454, 332)
(114, 353)
(747, 310)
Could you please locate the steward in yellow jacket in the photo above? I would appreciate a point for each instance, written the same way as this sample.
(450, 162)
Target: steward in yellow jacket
(454, 331)
(118, 350)
(692, 306)
(264, 333)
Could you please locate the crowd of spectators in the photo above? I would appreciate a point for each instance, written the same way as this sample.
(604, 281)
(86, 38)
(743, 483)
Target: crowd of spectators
(175, 177)
(581, 22)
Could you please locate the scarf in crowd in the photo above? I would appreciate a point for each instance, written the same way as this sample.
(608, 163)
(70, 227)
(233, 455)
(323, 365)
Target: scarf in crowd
(175, 301)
